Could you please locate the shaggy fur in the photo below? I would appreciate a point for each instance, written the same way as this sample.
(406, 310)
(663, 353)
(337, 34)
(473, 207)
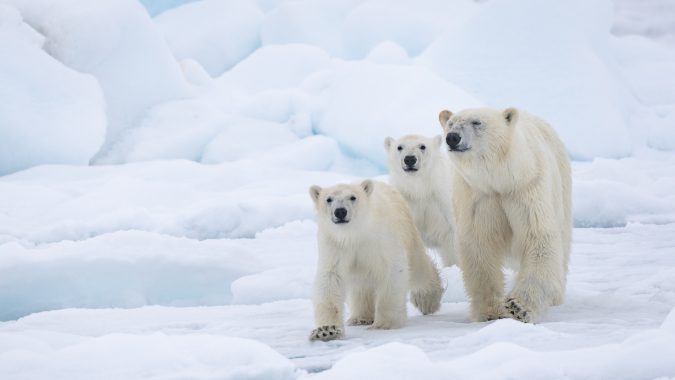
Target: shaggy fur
(371, 261)
(511, 193)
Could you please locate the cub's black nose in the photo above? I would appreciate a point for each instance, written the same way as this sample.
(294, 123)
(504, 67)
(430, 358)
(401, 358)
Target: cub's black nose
(410, 160)
(453, 139)
(340, 213)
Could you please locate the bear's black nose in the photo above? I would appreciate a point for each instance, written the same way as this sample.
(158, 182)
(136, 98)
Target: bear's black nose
(340, 213)
(410, 160)
(453, 139)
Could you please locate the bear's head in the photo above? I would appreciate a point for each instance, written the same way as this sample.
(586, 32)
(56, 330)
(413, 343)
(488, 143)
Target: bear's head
(342, 206)
(413, 154)
(478, 132)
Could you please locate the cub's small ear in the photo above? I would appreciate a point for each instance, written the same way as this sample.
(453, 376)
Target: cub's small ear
(368, 186)
(438, 141)
(511, 116)
(443, 117)
(314, 192)
(387, 142)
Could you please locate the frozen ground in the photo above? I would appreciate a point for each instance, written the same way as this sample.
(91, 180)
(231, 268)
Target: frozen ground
(104, 243)
(186, 249)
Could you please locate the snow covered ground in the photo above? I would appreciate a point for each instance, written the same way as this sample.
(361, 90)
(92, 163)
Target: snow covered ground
(154, 215)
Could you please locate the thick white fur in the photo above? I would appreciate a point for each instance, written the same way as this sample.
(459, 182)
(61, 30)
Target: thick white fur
(371, 261)
(511, 193)
(426, 190)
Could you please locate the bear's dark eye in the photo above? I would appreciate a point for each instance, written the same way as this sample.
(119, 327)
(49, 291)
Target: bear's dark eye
(329, 200)
(423, 147)
(353, 198)
(475, 122)
(400, 147)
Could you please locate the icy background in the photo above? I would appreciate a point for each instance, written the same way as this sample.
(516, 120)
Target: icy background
(155, 158)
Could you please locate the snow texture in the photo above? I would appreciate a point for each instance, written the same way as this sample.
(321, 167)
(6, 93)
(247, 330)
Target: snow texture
(194, 257)
(215, 33)
(50, 114)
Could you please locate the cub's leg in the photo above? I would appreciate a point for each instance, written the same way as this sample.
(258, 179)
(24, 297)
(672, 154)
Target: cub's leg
(362, 306)
(329, 299)
(483, 234)
(390, 298)
(426, 289)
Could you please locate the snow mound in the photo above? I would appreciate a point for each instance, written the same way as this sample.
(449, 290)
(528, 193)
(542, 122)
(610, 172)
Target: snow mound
(412, 25)
(50, 113)
(650, 18)
(172, 130)
(549, 58)
(215, 33)
(308, 22)
(274, 285)
(242, 139)
(389, 53)
(115, 41)
(122, 269)
(604, 196)
(645, 355)
(274, 67)
(156, 356)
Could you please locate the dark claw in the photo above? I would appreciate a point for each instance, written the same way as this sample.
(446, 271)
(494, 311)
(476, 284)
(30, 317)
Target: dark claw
(333, 327)
(331, 333)
(509, 300)
(512, 312)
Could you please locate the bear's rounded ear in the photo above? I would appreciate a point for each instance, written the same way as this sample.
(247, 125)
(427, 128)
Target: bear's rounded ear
(438, 141)
(368, 185)
(314, 192)
(511, 116)
(387, 142)
(443, 117)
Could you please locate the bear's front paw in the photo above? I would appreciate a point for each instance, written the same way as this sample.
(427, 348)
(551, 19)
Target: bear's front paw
(326, 333)
(517, 310)
(359, 322)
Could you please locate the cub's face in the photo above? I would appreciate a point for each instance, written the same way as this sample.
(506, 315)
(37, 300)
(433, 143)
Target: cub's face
(412, 154)
(341, 205)
(478, 131)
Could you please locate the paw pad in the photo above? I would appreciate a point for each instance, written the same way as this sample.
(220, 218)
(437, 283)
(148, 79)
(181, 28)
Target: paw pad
(326, 333)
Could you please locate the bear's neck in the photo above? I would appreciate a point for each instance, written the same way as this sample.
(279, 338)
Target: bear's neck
(502, 171)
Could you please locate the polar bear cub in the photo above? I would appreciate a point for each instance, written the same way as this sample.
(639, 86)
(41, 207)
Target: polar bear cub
(370, 254)
(512, 197)
(421, 173)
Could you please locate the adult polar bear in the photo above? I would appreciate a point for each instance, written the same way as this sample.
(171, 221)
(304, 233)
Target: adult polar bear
(511, 193)
(369, 248)
(421, 173)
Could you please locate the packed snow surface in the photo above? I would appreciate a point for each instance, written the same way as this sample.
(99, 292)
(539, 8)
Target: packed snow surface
(194, 257)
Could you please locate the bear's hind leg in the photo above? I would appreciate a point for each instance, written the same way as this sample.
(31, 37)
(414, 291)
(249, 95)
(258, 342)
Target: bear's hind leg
(362, 306)
(390, 301)
(426, 289)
